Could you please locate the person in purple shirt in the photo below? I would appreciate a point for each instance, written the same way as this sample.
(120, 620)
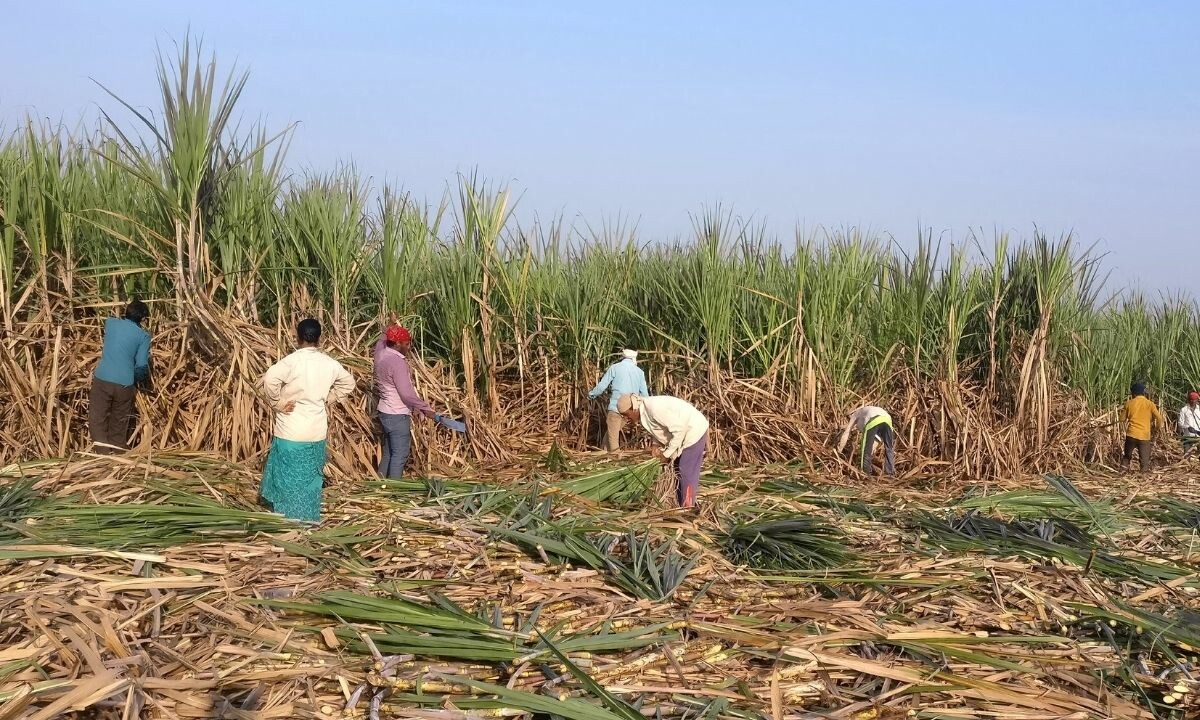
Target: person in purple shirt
(397, 398)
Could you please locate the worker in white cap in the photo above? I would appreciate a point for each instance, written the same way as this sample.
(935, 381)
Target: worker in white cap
(681, 431)
(623, 378)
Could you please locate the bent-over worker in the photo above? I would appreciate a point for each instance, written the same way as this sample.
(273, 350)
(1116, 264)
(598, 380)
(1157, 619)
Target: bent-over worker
(298, 387)
(680, 429)
(623, 377)
(875, 424)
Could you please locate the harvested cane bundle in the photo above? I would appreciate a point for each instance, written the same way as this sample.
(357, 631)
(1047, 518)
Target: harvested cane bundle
(1180, 513)
(1044, 539)
(17, 500)
(621, 485)
(666, 487)
(142, 525)
(787, 543)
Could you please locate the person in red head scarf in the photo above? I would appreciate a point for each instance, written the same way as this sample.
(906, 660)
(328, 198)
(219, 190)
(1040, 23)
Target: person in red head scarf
(398, 400)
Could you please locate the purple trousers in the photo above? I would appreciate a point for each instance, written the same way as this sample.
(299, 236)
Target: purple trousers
(687, 465)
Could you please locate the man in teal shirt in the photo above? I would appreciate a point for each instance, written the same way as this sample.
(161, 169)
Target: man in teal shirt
(124, 361)
(623, 377)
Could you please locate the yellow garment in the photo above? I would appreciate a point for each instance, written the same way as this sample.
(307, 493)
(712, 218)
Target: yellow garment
(1140, 412)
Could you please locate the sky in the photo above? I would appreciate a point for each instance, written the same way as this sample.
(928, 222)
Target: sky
(1068, 117)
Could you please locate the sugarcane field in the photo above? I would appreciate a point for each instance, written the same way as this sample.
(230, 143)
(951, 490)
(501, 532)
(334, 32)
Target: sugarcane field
(284, 443)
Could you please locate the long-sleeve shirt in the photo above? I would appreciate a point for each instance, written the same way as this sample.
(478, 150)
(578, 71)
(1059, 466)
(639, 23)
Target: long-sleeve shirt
(859, 419)
(1142, 415)
(865, 414)
(393, 380)
(125, 358)
(674, 423)
(309, 378)
(623, 378)
(1189, 420)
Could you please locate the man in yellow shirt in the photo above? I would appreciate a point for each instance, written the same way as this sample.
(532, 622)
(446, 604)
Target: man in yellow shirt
(1142, 418)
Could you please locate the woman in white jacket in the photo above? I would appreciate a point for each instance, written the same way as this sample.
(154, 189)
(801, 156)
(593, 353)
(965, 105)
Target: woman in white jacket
(680, 429)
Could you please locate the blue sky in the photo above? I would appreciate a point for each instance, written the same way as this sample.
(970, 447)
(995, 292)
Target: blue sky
(1080, 116)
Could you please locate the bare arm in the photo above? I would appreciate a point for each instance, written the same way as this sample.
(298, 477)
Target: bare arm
(846, 433)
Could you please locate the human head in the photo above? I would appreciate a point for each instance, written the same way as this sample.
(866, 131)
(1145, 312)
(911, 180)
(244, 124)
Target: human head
(1137, 389)
(629, 354)
(1193, 397)
(629, 409)
(308, 332)
(137, 311)
(399, 338)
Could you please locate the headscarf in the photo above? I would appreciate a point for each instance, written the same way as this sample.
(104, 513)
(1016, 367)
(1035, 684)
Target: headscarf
(398, 335)
(1193, 396)
(629, 354)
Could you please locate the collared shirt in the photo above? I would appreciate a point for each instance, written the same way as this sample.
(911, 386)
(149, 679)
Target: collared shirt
(125, 358)
(623, 378)
(393, 380)
(676, 424)
(1189, 420)
(1142, 415)
(310, 378)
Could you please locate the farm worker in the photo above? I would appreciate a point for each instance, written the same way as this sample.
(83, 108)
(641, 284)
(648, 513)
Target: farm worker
(397, 398)
(1189, 423)
(124, 361)
(679, 428)
(298, 387)
(1142, 418)
(875, 424)
(623, 377)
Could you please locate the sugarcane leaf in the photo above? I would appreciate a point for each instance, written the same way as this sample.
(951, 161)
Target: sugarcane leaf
(621, 708)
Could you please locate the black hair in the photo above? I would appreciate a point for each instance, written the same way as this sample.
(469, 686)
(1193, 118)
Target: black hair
(309, 331)
(1137, 389)
(137, 311)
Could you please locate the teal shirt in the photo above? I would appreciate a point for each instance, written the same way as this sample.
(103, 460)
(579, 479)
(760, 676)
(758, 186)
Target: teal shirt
(624, 377)
(125, 358)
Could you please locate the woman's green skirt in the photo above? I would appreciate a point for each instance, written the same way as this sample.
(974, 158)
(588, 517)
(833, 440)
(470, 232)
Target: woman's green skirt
(293, 478)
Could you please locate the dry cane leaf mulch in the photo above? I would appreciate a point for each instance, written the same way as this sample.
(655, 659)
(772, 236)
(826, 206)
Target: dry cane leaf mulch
(197, 604)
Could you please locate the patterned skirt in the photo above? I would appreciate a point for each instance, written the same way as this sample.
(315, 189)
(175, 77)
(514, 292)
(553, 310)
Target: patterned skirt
(293, 478)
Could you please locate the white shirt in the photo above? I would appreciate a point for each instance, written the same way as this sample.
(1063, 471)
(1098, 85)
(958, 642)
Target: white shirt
(676, 424)
(1189, 417)
(310, 378)
(859, 419)
(865, 414)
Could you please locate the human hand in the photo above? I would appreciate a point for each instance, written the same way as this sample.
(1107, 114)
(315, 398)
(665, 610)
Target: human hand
(287, 407)
(393, 319)
(427, 412)
(658, 454)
